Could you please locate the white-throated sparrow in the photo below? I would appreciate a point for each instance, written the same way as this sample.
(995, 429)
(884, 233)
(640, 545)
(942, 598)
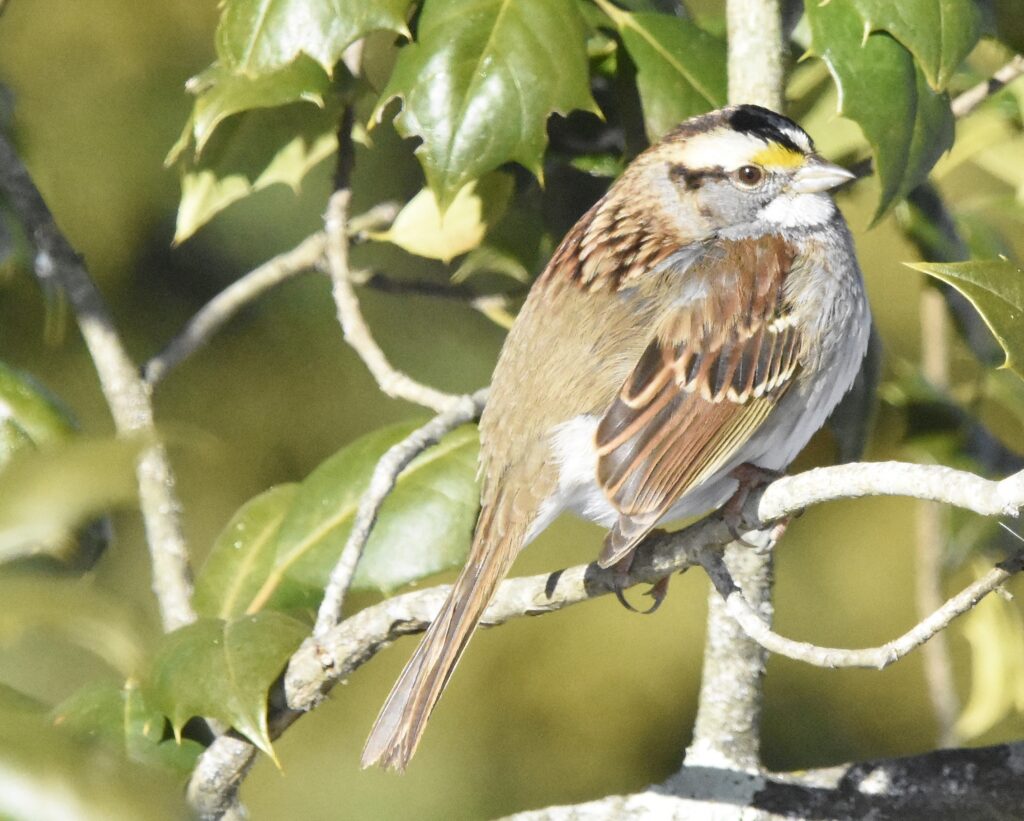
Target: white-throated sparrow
(707, 313)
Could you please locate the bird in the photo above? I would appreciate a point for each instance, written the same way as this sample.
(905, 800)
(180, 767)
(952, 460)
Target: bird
(704, 316)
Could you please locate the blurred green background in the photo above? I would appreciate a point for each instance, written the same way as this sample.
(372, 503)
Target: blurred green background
(572, 706)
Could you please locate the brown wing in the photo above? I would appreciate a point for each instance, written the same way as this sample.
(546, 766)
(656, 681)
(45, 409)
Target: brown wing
(703, 386)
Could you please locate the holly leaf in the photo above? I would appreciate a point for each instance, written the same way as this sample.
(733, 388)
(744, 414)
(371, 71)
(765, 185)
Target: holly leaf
(680, 67)
(939, 33)
(422, 228)
(221, 93)
(249, 152)
(224, 669)
(243, 554)
(908, 124)
(996, 289)
(120, 718)
(256, 37)
(479, 83)
(30, 413)
(423, 527)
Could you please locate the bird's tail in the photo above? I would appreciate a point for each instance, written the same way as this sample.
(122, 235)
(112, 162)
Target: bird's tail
(402, 719)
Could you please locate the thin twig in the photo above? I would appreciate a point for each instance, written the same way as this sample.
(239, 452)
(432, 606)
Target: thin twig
(126, 394)
(969, 100)
(874, 657)
(385, 475)
(357, 333)
(216, 313)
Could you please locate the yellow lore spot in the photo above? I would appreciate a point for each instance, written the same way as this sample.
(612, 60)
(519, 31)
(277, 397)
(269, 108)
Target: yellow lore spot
(778, 156)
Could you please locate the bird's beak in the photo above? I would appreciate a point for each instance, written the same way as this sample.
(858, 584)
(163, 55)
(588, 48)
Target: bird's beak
(817, 176)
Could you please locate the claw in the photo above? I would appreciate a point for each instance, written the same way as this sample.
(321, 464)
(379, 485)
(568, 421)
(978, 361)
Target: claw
(657, 592)
(750, 477)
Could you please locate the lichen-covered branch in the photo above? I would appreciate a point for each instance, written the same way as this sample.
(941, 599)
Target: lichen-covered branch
(57, 264)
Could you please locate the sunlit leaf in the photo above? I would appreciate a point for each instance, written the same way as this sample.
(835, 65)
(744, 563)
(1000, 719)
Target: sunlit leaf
(423, 527)
(481, 80)
(45, 494)
(996, 289)
(242, 555)
(221, 93)
(421, 228)
(30, 413)
(995, 631)
(120, 718)
(223, 670)
(908, 124)
(252, 151)
(257, 37)
(680, 67)
(47, 774)
(939, 33)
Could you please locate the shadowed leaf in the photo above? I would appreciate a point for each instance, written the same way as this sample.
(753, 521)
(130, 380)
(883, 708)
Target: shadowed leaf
(908, 125)
(680, 67)
(223, 670)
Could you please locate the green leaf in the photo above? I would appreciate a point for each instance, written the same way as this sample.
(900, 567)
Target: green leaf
(996, 289)
(224, 669)
(252, 151)
(422, 228)
(257, 37)
(74, 612)
(242, 555)
(45, 494)
(120, 718)
(221, 93)
(48, 775)
(29, 415)
(424, 526)
(680, 67)
(482, 79)
(939, 33)
(908, 125)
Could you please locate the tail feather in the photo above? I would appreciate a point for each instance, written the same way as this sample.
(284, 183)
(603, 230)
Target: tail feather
(403, 718)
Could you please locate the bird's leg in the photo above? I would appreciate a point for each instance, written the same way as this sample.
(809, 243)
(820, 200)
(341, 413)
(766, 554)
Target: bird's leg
(750, 478)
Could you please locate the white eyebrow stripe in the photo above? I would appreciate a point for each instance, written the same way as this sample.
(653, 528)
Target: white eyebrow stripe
(720, 147)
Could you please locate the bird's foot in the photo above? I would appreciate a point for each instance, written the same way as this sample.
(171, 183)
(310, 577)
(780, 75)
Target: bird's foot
(658, 591)
(750, 478)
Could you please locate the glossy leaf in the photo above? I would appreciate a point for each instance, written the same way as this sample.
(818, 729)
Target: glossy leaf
(75, 613)
(120, 718)
(680, 67)
(908, 124)
(257, 37)
(242, 555)
(422, 228)
(479, 83)
(221, 93)
(252, 151)
(47, 774)
(223, 670)
(996, 289)
(45, 494)
(423, 527)
(939, 33)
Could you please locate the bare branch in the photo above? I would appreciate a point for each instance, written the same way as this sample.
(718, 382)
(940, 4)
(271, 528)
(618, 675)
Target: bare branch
(969, 100)
(215, 314)
(876, 657)
(385, 475)
(127, 396)
(357, 333)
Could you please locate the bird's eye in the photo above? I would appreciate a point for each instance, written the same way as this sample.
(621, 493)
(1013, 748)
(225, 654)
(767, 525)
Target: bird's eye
(749, 175)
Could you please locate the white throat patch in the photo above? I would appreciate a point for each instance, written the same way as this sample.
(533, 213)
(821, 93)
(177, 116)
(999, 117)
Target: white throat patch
(798, 210)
